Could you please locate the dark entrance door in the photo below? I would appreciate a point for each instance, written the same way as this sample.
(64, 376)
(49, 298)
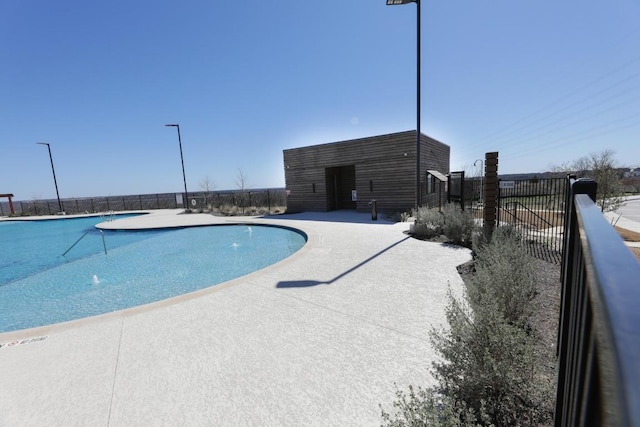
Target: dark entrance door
(340, 182)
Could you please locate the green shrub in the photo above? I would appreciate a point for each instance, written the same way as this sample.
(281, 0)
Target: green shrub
(458, 225)
(489, 366)
(505, 277)
(454, 223)
(234, 210)
(488, 352)
(425, 407)
(429, 223)
(399, 216)
(479, 240)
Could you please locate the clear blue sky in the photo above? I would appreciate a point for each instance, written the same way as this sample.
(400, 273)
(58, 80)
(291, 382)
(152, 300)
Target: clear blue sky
(542, 82)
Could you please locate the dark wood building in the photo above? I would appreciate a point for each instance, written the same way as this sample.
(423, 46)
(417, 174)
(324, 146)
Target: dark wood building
(349, 174)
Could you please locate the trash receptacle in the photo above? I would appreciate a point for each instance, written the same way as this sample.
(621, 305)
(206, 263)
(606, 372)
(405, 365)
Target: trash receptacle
(374, 210)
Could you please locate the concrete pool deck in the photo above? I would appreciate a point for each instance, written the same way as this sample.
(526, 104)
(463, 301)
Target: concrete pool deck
(319, 338)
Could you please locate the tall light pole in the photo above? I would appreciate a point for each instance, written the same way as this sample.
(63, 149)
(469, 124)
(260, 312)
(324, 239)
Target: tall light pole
(481, 173)
(417, 2)
(55, 182)
(184, 177)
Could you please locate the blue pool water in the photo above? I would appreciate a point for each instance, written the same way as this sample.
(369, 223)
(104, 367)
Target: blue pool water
(38, 286)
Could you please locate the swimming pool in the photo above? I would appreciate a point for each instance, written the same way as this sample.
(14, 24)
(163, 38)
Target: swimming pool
(38, 286)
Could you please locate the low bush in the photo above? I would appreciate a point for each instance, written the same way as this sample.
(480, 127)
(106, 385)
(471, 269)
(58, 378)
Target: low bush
(458, 225)
(399, 216)
(429, 223)
(233, 210)
(454, 223)
(505, 277)
(425, 407)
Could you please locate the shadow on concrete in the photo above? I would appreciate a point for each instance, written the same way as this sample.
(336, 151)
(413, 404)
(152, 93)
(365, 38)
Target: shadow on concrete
(309, 283)
(302, 283)
(349, 216)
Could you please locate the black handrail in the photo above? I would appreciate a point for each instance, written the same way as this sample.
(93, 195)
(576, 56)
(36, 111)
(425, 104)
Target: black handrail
(599, 335)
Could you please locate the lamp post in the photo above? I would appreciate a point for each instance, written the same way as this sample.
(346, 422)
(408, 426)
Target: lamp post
(184, 177)
(481, 173)
(55, 182)
(417, 2)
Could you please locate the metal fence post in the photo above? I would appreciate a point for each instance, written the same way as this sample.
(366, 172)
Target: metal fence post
(580, 186)
(462, 192)
(490, 192)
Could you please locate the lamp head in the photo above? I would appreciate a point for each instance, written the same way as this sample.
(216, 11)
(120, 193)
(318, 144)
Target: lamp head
(395, 2)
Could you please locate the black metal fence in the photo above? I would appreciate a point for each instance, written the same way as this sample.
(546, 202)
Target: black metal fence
(268, 198)
(599, 334)
(455, 188)
(535, 207)
(464, 190)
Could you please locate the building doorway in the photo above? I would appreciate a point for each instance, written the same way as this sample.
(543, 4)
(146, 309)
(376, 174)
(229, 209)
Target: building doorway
(340, 181)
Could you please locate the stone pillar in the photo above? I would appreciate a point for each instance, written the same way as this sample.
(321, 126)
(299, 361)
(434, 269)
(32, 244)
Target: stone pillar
(490, 192)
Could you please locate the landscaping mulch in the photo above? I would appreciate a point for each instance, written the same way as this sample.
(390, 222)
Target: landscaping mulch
(628, 235)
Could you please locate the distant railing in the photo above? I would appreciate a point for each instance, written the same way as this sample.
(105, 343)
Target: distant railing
(599, 332)
(268, 198)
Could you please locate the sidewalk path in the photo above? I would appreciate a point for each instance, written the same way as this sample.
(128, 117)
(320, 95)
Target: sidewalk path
(626, 219)
(317, 339)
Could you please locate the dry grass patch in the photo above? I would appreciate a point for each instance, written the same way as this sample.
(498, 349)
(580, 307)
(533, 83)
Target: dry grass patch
(630, 236)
